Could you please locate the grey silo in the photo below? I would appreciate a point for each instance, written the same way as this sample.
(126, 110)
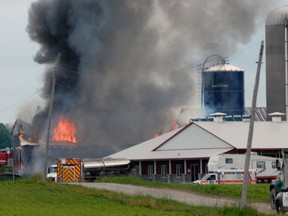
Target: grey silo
(276, 61)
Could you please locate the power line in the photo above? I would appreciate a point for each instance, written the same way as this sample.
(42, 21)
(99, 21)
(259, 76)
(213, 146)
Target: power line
(235, 56)
(18, 89)
(68, 87)
(66, 69)
(13, 105)
(249, 65)
(73, 71)
(247, 47)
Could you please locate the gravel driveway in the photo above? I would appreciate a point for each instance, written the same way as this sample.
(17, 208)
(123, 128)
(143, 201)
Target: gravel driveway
(178, 195)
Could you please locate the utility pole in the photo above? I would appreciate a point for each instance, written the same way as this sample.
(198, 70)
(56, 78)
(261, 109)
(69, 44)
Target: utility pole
(49, 123)
(251, 128)
(13, 154)
(13, 149)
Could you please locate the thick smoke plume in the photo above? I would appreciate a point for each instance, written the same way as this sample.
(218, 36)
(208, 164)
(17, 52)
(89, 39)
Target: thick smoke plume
(122, 67)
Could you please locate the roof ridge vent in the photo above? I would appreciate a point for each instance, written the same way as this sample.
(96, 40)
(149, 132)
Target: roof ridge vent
(218, 116)
(246, 118)
(276, 116)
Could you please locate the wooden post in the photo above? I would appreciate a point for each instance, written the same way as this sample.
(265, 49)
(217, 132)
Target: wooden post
(250, 133)
(49, 124)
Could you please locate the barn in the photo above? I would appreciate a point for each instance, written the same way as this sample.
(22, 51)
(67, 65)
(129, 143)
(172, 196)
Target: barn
(182, 155)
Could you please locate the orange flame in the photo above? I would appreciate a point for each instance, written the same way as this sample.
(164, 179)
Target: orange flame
(156, 135)
(65, 131)
(29, 137)
(171, 127)
(174, 125)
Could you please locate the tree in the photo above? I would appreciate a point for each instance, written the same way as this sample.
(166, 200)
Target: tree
(5, 137)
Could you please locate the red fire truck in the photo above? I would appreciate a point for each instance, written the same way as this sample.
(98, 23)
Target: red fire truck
(6, 162)
(6, 157)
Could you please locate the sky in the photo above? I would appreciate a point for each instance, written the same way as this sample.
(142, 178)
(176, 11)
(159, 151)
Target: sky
(22, 78)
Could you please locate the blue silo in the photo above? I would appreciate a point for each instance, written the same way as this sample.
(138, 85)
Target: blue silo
(223, 90)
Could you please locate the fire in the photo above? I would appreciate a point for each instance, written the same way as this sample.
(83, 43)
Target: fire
(174, 125)
(65, 131)
(171, 127)
(29, 137)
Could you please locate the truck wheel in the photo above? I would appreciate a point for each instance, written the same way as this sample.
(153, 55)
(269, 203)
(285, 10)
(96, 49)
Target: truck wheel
(278, 208)
(272, 199)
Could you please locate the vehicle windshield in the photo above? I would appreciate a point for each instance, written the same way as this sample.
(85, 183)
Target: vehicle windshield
(206, 176)
(209, 177)
(53, 169)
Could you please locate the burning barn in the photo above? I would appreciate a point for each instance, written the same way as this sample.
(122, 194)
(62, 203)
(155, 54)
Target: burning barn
(31, 148)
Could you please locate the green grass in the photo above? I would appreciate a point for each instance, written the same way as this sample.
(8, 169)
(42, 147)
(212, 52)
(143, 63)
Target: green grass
(35, 197)
(256, 192)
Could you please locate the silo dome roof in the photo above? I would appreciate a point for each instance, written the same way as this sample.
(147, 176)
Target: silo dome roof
(277, 16)
(223, 67)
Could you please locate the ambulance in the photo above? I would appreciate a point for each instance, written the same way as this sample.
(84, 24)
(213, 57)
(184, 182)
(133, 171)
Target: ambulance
(227, 177)
(265, 166)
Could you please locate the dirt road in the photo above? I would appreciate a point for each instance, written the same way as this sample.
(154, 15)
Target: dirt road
(189, 198)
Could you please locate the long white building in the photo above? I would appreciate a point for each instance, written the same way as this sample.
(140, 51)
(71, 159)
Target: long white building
(182, 155)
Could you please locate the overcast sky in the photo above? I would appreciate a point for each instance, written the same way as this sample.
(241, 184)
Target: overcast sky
(21, 77)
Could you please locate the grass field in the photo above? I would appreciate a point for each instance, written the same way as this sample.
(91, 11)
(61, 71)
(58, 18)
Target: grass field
(35, 197)
(256, 192)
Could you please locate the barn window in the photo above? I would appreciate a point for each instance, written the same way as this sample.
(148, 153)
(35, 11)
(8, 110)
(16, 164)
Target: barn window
(178, 170)
(229, 160)
(260, 164)
(163, 171)
(150, 171)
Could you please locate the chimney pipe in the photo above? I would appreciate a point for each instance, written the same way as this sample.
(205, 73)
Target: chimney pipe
(218, 116)
(276, 116)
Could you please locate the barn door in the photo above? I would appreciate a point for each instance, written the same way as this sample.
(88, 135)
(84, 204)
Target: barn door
(194, 172)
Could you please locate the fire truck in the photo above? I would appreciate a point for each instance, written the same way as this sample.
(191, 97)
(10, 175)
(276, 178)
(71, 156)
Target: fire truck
(6, 157)
(76, 170)
(6, 162)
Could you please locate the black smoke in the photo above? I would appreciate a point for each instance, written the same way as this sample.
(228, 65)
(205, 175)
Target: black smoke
(124, 68)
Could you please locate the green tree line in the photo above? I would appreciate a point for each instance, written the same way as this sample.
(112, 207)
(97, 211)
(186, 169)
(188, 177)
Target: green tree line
(5, 137)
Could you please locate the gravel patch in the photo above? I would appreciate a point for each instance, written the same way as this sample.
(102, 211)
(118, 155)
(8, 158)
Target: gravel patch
(189, 198)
